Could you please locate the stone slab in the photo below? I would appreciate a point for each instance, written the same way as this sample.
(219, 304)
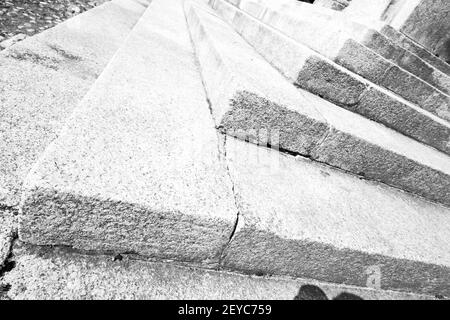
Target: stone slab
(43, 273)
(340, 42)
(239, 86)
(44, 77)
(138, 167)
(301, 218)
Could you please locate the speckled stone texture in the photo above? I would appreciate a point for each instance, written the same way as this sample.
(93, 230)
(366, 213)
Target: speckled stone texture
(405, 42)
(8, 229)
(33, 16)
(429, 25)
(338, 5)
(43, 78)
(138, 167)
(344, 44)
(247, 94)
(43, 273)
(301, 218)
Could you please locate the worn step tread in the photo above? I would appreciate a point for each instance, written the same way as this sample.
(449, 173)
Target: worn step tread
(319, 75)
(247, 94)
(138, 167)
(44, 77)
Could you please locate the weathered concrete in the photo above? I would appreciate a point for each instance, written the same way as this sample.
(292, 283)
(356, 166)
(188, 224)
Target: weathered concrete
(301, 218)
(44, 77)
(340, 42)
(138, 167)
(248, 95)
(43, 273)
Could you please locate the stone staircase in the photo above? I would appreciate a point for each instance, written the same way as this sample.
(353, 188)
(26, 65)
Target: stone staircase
(279, 140)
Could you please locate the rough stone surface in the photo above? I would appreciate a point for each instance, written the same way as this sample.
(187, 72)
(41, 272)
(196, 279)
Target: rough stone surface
(7, 230)
(380, 107)
(34, 16)
(426, 97)
(428, 25)
(405, 42)
(352, 143)
(367, 9)
(333, 39)
(245, 92)
(408, 55)
(338, 5)
(138, 167)
(44, 77)
(301, 218)
(11, 41)
(322, 77)
(406, 60)
(43, 273)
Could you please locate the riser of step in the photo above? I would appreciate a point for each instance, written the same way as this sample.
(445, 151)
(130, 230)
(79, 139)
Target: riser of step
(336, 43)
(405, 42)
(321, 76)
(395, 36)
(333, 33)
(405, 59)
(246, 93)
(46, 273)
(44, 77)
(138, 167)
(7, 231)
(303, 219)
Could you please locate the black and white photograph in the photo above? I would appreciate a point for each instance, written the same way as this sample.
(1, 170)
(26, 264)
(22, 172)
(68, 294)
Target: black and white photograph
(234, 157)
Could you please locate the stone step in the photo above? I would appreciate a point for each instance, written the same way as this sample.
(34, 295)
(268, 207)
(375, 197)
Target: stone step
(303, 219)
(338, 35)
(247, 94)
(138, 167)
(7, 232)
(372, 38)
(319, 75)
(58, 273)
(342, 45)
(410, 45)
(44, 77)
(140, 170)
